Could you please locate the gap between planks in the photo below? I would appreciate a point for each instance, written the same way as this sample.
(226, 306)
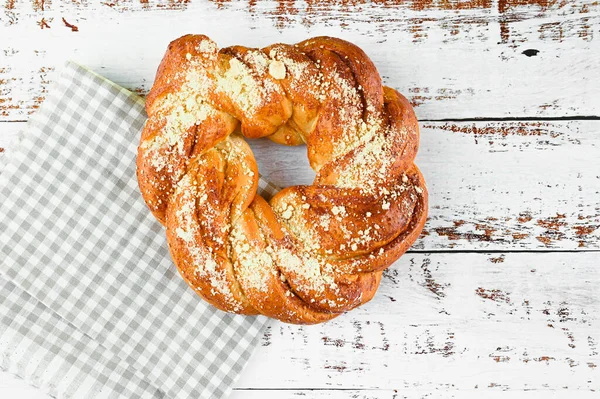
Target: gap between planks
(518, 119)
(440, 393)
(472, 119)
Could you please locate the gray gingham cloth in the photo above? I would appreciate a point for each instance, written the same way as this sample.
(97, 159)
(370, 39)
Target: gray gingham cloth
(91, 305)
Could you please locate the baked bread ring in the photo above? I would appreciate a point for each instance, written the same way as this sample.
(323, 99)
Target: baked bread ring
(311, 252)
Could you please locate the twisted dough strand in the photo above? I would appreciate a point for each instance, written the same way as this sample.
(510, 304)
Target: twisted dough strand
(311, 252)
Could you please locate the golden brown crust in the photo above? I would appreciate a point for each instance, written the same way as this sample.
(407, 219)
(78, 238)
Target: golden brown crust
(312, 252)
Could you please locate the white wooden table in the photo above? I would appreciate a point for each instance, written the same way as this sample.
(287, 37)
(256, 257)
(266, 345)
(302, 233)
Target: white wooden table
(500, 296)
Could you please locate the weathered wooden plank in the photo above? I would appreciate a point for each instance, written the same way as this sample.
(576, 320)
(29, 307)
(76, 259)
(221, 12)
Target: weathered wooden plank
(493, 185)
(453, 59)
(13, 387)
(448, 324)
(8, 133)
(456, 321)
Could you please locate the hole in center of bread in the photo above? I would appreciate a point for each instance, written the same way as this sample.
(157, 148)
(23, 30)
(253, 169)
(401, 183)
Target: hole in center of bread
(282, 165)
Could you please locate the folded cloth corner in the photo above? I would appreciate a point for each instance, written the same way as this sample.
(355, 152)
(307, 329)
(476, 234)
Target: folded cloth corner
(91, 303)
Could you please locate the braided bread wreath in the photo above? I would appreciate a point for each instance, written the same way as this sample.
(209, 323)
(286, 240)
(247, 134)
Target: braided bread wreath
(311, 252)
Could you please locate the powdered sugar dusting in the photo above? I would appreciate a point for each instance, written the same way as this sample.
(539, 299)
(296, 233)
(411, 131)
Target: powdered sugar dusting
(244, 82)
(207, 47)
(291, 92)
(253, 268)
(188, 230)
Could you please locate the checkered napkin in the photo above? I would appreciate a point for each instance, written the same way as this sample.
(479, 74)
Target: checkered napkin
(91, 305)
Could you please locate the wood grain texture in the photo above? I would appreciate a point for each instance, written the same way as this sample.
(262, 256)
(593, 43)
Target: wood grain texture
(453, 59)
(8, 132)
(493, 185)
(13, 387)
(451, 322)
(8, 135)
